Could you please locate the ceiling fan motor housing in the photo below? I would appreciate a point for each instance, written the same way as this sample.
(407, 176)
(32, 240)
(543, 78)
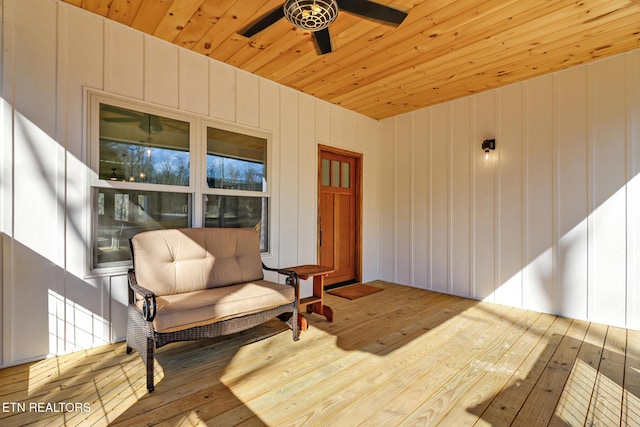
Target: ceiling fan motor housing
(311, 15)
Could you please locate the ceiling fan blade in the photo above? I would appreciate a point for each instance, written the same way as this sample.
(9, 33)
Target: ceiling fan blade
(373, 10)
(323, 40)
(268, 19)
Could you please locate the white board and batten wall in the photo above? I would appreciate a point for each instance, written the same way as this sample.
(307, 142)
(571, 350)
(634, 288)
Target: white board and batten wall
(551, 222)
(53, 52)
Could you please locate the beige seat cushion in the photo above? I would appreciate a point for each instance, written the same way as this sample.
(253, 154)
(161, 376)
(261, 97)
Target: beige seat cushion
(189, 309)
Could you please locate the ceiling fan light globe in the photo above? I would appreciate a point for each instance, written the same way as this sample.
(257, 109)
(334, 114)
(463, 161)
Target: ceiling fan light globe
(311, 15)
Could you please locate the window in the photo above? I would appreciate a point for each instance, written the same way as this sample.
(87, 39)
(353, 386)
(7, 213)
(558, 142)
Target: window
(147, 173)
(235, 161)
(237, 182)
(143, 176)
(123, 213)
(143, 148)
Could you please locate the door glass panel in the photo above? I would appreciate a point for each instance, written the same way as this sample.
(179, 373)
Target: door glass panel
(326, 171)
(335, 173)
(345, 175)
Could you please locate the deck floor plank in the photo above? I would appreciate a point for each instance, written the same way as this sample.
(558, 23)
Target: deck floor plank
(480, 354)
(539, 407)
(404, 356)
(631, 392)
(495, 373)
(442, 358)
(573, 404)
(506, 404)
(415, 357)
(605, 407)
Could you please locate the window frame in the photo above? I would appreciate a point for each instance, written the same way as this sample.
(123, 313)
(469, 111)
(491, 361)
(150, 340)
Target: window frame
(197, 187)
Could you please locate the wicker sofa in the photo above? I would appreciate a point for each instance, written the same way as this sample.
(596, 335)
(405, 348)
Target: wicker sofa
(195, 283)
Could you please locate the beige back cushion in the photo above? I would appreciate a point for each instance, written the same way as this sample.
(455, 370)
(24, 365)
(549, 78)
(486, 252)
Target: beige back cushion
(184, 260)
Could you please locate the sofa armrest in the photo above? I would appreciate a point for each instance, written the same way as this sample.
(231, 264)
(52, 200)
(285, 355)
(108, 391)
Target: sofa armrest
(149, 306)
(292, 278)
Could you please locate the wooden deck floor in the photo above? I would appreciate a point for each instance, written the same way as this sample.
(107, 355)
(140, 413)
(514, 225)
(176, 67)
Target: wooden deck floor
(402, 356)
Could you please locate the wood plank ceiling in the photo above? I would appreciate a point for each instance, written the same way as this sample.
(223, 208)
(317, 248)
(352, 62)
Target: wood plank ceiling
(445, 49)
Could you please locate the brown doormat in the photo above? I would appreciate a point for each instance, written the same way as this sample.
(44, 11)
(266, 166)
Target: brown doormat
(354, 291)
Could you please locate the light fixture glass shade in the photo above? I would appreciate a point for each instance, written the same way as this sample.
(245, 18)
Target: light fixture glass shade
(311, 15)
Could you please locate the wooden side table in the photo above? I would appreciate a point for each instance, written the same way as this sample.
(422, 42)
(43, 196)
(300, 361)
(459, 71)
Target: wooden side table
(313, 303)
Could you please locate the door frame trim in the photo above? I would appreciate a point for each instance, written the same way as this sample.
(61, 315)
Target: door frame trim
(358, 157)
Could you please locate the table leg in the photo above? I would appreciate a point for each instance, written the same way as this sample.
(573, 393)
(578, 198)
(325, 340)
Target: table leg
(318, 292)
(303, 325)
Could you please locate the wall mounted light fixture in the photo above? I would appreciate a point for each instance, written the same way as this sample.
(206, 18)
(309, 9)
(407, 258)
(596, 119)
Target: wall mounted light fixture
(487, 145)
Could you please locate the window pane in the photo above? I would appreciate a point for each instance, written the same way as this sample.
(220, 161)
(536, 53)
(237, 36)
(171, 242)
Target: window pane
(236, 161)
(238, 212)
(326, 170)
(141, 147)
(335, 173)
(345, 175)
(121, 214)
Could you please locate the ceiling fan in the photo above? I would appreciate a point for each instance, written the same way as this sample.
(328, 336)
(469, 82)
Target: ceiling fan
(317, 15)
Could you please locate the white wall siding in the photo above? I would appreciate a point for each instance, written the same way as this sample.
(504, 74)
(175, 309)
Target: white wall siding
(193, 82)
(52, 53)
(461, 185)
(549, 222)
(222, 102)
(80, 54)
(123, 60)
(270, 121)
(439, 196)
(288, 177)
(350, 131)
(538, 197)
(633, 190)
(509, 213)
(485, 191)
(36, 187)
(248, 95)
(571, 186)
(421, 155)
(307, 200)
(162, 71)
(387, 257)
(337, 127)
(323, 115)
(368, 136)
(403, 200)
(607, 225)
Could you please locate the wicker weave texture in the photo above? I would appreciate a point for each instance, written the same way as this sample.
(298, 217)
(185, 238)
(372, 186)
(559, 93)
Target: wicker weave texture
(142, 338)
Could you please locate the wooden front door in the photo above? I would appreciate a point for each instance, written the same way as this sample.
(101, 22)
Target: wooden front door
(339, 212)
